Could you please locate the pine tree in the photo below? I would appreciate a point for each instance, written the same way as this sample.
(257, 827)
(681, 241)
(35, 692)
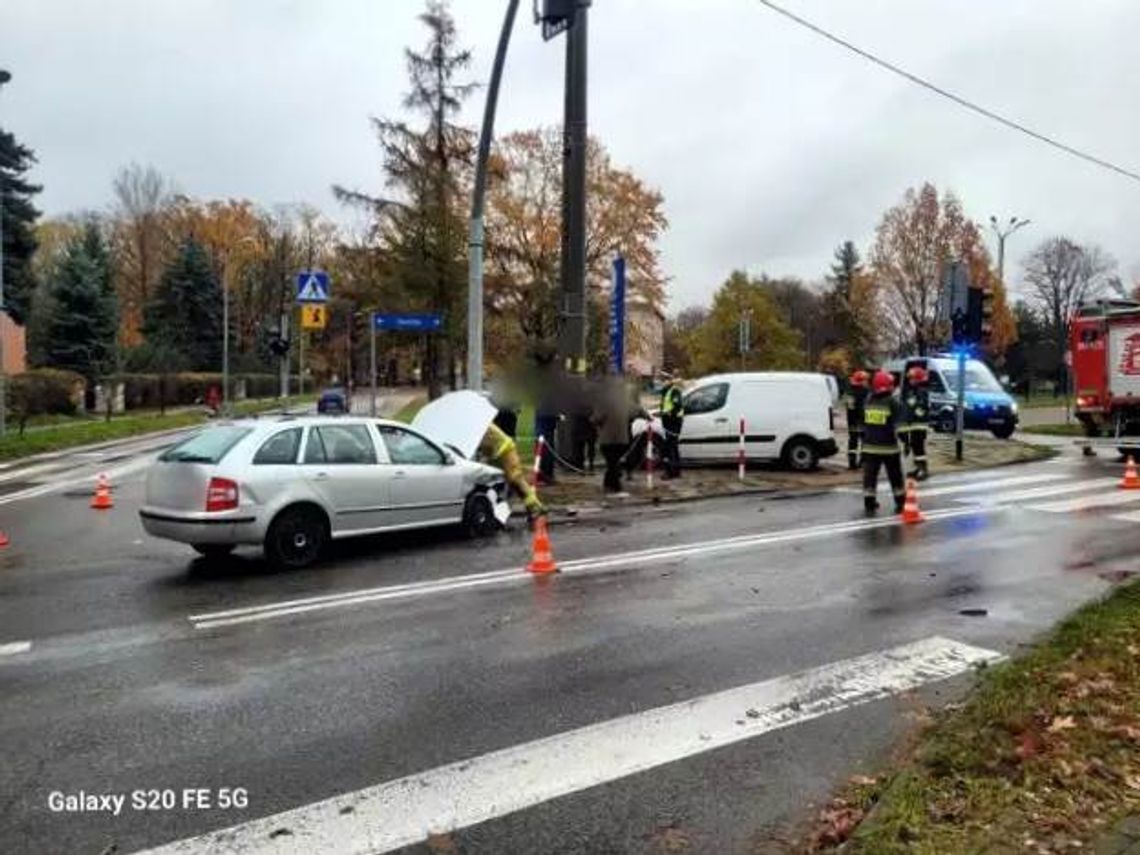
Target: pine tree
(424, 230)
(17, 224)
(185, 312)
(843, 307)
(82, 322)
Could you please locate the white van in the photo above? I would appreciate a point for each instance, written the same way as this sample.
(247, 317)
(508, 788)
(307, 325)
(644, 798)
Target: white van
(788, 416)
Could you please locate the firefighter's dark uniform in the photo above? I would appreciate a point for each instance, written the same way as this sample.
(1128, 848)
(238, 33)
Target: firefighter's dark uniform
(856, 400)
(881, 418)
(672, 419)
(916, 415)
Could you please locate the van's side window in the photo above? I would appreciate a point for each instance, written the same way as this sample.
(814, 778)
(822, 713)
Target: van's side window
(935, 384)
(706, 399)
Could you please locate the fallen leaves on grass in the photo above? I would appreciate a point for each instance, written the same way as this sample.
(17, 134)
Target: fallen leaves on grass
(1062, 722)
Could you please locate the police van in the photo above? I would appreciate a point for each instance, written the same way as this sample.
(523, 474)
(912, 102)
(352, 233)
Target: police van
(988, 406)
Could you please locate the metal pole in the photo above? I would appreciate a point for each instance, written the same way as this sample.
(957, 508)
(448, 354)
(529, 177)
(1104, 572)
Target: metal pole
(961, 415)
(4, 78)
(301, 359)
(225, 342)
(284, 367)
(372, 357)
(475, 239)
(573, 337)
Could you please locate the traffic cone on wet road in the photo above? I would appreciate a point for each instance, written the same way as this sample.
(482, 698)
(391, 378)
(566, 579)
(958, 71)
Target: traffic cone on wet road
(542, 560)
(102, 500)
(911, 514)
(1131, 480)
(3, 540)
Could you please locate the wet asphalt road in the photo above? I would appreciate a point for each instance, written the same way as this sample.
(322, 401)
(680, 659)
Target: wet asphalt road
(121, 691)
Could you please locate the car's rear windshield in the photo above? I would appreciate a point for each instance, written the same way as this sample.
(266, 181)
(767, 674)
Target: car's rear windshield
(209, 446)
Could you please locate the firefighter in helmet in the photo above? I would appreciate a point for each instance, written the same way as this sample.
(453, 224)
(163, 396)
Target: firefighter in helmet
(856, 399)
(916, 414)
(882, 415)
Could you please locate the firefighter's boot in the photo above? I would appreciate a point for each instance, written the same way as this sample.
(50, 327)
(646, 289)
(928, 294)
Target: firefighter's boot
(870, 504)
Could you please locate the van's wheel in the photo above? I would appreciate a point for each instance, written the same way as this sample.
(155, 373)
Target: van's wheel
(800, 454)
(479, 516)
(296, 537)
(213, 550)
(1003, 431)
(946, 423)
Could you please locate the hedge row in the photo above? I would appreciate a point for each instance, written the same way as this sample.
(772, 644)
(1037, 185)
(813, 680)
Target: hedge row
(44, 390)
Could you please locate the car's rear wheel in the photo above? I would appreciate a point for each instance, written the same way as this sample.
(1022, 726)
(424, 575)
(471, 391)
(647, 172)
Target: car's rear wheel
(801, 454)
(213, 550)
(479, 516)
(296, 537)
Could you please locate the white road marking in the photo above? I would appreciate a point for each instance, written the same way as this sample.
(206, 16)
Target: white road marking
(406, 811)
(13, 648)
(1083, 503)
(1041, 492)
(1132, 516)
(117, 473)
(992, 484)
(516, 575)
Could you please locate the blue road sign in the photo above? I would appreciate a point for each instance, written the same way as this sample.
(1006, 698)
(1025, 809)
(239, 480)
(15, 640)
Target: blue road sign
(312, 286)
(617, 317)
(407, 323)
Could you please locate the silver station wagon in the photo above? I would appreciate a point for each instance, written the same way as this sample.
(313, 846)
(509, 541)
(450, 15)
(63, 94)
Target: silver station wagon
(293, 483)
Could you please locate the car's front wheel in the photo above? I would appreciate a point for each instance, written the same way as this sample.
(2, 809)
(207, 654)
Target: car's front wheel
(213, 550)
(296, 537)
(479, 516)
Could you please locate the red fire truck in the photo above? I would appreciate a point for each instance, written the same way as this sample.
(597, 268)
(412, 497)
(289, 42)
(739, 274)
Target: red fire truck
(1104, 346)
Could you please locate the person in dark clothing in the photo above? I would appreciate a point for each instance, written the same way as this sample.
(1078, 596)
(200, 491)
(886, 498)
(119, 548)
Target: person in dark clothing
(614, 409)
(916, 415)
(507, 419)
(881, 418)
(856, 399)
(672, 419)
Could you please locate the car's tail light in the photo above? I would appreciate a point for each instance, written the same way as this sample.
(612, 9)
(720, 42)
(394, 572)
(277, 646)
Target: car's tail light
(221, 495)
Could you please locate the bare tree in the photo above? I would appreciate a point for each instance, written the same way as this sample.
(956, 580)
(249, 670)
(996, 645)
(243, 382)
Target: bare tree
(1060, 274)
(142, 194)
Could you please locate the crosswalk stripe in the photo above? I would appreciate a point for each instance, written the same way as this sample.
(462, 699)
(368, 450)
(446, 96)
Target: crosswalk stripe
(1081, 503)
(993, 484)
(1048, 492)
(1131, 516)
(408, 810)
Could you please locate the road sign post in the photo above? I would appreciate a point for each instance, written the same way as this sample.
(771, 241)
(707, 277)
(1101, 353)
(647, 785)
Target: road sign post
(372, 361)
(312, 294)
(961, 415)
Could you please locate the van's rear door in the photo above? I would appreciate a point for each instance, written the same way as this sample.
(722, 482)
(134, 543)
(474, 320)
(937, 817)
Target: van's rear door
(1124, 359)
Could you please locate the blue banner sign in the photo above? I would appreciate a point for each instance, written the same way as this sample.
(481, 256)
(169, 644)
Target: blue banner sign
(407, 323)
(617, 317)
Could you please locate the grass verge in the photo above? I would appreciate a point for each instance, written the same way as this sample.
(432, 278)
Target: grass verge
(94, 430)
(1043, 757)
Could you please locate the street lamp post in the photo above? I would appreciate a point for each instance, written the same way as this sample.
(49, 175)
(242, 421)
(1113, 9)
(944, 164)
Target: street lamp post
(5, 76)
(1002, 233)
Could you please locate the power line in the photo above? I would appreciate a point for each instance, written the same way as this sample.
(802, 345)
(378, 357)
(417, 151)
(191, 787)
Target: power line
(957, 99)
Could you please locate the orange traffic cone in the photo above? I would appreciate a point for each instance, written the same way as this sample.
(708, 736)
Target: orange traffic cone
(102, 500)
(911, 514)
(543, 559)
(3, 540)
(1131, 480)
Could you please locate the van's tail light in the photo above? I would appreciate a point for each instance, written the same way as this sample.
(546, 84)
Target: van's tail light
(221, 495)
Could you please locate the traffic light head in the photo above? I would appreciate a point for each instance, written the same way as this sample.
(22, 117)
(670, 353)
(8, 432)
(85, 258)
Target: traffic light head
(987, 315)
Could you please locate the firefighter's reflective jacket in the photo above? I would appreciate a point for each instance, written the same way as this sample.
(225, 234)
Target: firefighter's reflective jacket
(881, 418)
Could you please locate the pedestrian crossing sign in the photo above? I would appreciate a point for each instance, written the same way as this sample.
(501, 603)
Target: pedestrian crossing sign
(314, 316)
(312, 286)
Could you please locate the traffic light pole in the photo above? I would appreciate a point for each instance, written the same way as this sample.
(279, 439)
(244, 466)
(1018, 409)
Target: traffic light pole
(573, 271)
(961, 422)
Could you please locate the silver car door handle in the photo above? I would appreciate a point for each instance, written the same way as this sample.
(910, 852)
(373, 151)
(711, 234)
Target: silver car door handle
(399, 473)
(321, 476)
(720, 421)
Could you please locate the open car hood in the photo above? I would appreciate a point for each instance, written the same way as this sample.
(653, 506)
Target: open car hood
(458, 419)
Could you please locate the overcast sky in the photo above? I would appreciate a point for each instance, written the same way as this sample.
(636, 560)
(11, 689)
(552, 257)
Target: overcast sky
(770, 145)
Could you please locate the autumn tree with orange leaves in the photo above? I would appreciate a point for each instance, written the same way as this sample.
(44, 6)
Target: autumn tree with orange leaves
(523, 238)
(913, 244)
